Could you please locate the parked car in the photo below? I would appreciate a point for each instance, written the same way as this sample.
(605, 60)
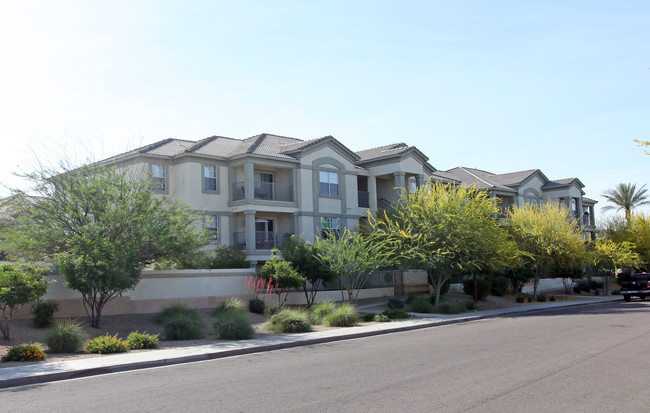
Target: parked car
(637, 286)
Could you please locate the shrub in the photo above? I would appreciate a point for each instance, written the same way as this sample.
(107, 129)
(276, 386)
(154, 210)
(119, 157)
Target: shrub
(230, 304)
(174, 310)
(484, 287)
(321, 310)
(410, 298)
(142, 341)
(552, 298)
(396, 313)
(274, 309)
(43, 313)
(519, 299)
(368, 317)
(344, 315)
(541, 298)
(577, 289)
(499, 286)
(24, 352)
(65, 337)
(288, 320)
(529, 299)
(446, 307)
(228, 257)
(182, 327)
(595, 285)
(381, 318)
(233, 325)
(256, 306)
(420, 305)
(395, 302)
(616, 292)
(106, 345)
(470, 305)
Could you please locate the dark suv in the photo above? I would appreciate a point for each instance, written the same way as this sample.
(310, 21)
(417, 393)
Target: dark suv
(638, 285)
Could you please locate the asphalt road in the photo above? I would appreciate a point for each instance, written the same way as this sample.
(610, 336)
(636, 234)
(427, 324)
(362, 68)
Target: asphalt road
(584, 359)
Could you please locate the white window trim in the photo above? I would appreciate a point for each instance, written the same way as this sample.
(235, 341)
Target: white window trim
(329, 183)
(157, 179)
(204, 177)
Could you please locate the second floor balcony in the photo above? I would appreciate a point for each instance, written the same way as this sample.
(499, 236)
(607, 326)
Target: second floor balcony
(267, 191)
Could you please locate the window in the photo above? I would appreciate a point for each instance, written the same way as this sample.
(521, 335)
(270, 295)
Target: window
(211, 225)
(413, 184)
(159, 177)
(329, 183)
(329, 226)
(210, 178)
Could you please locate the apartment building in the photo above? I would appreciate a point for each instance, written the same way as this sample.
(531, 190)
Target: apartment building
(528, 187)
(255, 192)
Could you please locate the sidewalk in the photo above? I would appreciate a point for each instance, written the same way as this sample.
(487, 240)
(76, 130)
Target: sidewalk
(47, 372)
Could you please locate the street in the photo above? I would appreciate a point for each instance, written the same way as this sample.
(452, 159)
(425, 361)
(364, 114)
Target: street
(580, 359)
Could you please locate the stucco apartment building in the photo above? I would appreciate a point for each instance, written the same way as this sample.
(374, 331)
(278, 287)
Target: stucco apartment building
(255, 192)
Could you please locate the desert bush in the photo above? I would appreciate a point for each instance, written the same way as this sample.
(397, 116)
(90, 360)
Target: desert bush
(395, 302)
(368, 317)
(577, 289)
(484, 287)
(499, 286)
(142, 341)
(43, 313)
(289, 320)
(529, 299)
(541, 298)
(274, 309)
(24, 352)
(344, 315)
(519, 299)
(381, 318)
(233, 325)
(396, 313)
(182, 327)
(106, 345)
(410, 298)
(228, 257)
(256, 306)
(174, 310)
(616, 292)
(552, 298)
(470, 305)
(420, 305)
(230, 304)
(65, 337)
(320, 310)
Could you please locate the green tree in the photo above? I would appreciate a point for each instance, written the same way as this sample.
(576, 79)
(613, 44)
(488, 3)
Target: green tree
(282, 276)
(303, 257)
(548, 235)
(353, 257)
(19, 285)
(626, 197)
(100, 226)
(445, 230)
(612, 256)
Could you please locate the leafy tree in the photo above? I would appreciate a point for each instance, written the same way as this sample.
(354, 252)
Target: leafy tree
(353, 257)
(445, 230)
(100, 226)
(548, 235)
(303, 257)
(281, 275)
(19, 285)
(612, 257)
(638, 234)
(626, 197)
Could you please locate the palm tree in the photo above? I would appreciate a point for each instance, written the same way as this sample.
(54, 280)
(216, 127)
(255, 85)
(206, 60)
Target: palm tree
(626, 197)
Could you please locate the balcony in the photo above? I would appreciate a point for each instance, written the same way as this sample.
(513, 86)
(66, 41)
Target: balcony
(364, 199)
(264, 240)
(267, 191)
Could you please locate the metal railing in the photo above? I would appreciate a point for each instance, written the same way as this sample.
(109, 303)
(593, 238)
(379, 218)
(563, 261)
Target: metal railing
(364, 199)
(270, 191)
(264, 240)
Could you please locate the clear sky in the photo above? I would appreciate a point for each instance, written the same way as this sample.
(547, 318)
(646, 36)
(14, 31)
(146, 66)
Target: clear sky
(562, 86)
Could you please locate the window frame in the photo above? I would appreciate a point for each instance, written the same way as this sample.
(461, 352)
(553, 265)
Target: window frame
(329, 227)
(159, 184)
(328, 183)
(211, 229)
(204, 179)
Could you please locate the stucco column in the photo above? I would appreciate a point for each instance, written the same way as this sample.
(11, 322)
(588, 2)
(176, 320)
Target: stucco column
(372, 192)
(420, 180)
(580, 212)
(249, 181)
(400, 183)
(294, 225)
(249, 231)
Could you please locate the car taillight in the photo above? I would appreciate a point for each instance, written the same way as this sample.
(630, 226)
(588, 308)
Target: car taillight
(648, 284)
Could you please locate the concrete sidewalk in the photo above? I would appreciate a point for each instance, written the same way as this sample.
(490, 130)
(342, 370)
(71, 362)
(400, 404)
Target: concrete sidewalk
(47, 372)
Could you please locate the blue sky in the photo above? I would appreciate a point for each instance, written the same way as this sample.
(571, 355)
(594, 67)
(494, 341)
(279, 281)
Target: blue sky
(501, 85)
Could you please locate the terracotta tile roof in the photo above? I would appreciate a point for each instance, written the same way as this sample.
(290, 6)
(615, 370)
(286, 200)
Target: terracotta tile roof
(383, 151)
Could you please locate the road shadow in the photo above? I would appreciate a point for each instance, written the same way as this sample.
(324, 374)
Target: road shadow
(612, 307)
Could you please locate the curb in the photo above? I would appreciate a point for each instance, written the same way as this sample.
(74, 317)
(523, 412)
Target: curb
(22, 375)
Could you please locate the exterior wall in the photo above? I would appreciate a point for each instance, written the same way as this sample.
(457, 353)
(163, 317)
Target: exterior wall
(156, 289)
(298, 297)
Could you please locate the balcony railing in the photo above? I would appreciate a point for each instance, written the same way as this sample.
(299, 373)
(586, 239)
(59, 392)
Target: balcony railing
(364, 199)
(264, 240)
(269, 191)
